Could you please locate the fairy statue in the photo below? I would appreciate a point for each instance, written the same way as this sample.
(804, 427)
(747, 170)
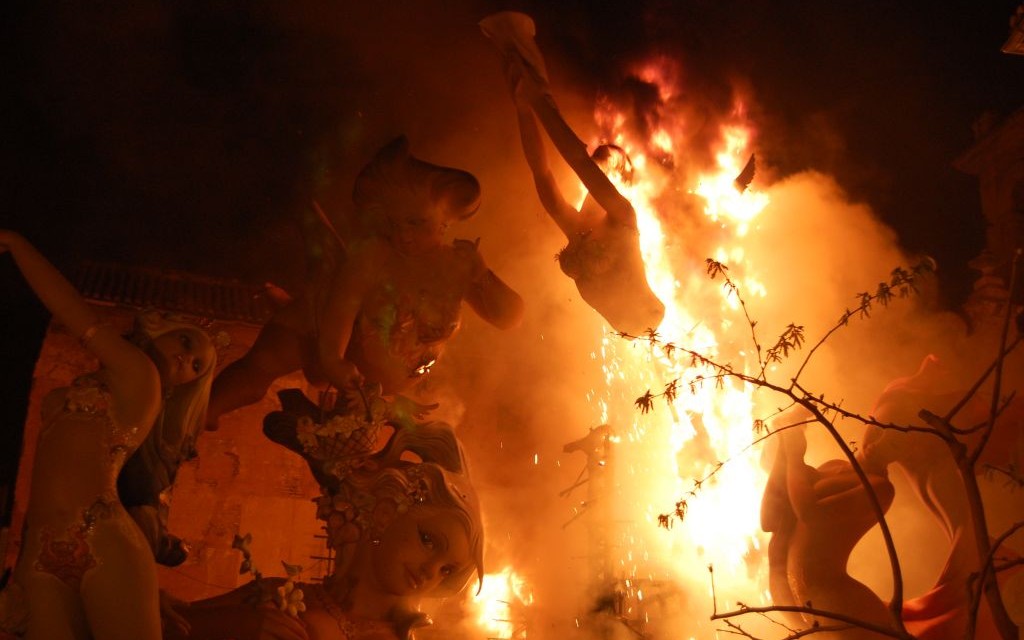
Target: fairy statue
(603, 253)
(402, 524)
(394, 300)
(85, 570)
(816, 516)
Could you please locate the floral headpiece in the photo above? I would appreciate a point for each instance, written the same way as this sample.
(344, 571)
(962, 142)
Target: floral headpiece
(351, 515)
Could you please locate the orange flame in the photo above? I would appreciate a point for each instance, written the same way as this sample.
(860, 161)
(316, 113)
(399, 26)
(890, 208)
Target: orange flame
(663, 454)
(499, 605)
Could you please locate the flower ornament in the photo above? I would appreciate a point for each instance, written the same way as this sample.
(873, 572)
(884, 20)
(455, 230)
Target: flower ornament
(344, 524)
(290, 598)
(87, 395)
(305, 431)
(417, 494)
(244, 544)
(287, 598)
(343, 426)
(221, 340)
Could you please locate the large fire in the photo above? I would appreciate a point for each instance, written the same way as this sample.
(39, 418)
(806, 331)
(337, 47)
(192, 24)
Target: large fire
(501, 604)
(676, 451)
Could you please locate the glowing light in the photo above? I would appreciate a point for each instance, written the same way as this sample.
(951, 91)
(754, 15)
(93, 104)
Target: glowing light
(499, 605)
(676, 448)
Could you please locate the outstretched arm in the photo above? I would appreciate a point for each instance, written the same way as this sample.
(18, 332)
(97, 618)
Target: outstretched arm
(53, 290)
(572, 150)
(235, 616)
(352, 282)
(564, 215)
(133, 379)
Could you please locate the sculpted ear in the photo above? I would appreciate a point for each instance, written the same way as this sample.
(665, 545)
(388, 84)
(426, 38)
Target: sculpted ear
(148, 321)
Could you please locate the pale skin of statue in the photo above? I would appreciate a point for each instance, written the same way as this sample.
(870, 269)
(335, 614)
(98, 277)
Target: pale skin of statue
(85, 569)
(817, 516)
(603, 255)
(933, 475)
(394, 301)
(422, 537)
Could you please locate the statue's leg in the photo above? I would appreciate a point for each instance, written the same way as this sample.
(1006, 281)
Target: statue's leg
(59, 614)
(120, 594)
(50, 596)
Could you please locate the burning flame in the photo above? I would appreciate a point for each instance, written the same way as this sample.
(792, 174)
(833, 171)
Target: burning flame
(676, 451)
(697, 445)
(500, 603)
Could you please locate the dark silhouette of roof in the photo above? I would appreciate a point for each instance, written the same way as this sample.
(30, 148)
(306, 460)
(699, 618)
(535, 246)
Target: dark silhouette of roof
(199, 295)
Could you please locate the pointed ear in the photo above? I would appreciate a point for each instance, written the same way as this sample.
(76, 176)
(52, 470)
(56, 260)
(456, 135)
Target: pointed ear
(148, 320)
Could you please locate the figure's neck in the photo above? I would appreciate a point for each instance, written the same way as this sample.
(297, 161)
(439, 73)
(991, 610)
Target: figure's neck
(371, 605)
(360, 599)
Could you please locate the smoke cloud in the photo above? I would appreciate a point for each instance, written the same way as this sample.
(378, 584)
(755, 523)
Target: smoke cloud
(202, 146)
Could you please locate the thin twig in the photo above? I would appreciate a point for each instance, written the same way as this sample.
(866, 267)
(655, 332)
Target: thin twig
(980, 381)
(987, 583)
(821, 613)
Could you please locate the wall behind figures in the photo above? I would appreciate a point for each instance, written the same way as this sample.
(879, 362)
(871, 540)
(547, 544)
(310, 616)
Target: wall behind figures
(240, 483)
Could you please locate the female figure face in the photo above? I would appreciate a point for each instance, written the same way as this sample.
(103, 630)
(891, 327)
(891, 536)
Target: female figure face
(418, 550)
(182, 355)
(414, 230)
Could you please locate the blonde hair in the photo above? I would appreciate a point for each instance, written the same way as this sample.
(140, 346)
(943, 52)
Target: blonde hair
(180, 420)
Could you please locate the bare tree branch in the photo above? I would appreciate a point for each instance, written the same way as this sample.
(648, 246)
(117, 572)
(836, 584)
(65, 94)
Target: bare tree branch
(821, 613)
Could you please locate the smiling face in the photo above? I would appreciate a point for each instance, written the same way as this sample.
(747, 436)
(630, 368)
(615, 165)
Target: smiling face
(182, 355)
(418, 550)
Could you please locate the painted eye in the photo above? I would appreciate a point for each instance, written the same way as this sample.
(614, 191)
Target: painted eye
(197, 365)
(186, 341)
(426, 539)
(448, 570)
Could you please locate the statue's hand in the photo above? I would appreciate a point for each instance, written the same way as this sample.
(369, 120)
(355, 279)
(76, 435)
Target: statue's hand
(274, 624)
(407, 411)
(515, 72)
(522, 83)
(172, 621)
(345, 376)
(7, 239)
(469, 252)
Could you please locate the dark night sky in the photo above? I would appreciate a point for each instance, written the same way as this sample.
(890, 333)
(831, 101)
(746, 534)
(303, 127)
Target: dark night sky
(189, 134)
(169, 131)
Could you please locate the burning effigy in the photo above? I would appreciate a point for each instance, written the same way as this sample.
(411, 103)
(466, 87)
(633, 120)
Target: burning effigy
(712, 419)
(718, 385)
